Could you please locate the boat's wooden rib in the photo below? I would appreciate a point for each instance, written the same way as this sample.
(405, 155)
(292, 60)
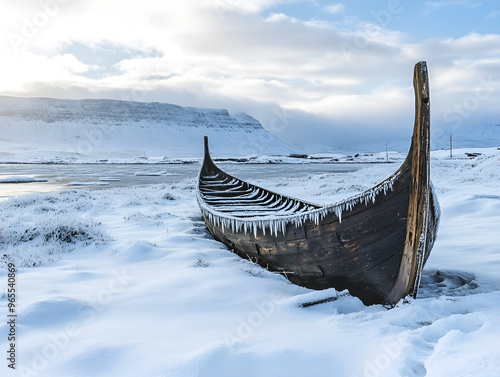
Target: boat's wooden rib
(373, 244)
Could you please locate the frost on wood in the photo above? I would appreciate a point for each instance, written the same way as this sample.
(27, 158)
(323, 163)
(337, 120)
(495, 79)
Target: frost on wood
(437, 208)
(275, 213)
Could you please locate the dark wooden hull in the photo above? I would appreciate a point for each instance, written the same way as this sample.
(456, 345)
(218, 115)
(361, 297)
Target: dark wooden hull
(374, 244)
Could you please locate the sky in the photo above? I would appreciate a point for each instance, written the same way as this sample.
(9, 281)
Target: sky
(310, 71)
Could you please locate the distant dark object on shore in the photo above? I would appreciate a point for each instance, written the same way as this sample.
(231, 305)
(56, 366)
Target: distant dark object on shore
(473, 155)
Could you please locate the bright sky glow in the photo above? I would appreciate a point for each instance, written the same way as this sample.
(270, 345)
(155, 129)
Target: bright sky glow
(340, 70)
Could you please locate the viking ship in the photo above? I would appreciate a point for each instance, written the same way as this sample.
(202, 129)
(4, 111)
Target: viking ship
(374, 244)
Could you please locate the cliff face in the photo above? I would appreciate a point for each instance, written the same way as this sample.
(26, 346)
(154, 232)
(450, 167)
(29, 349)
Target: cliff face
(91, 130)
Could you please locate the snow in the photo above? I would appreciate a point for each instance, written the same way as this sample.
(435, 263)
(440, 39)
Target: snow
(151, 174)
(21, 179)
(100, 183)
(464, 135)
(127, 282)
(38, 130)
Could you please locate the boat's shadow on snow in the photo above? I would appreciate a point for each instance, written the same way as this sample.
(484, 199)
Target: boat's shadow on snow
(435, 283)
(199, 228)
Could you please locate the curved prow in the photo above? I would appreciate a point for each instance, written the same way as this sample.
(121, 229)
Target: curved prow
(208, 167)
(418, 210)
(207, 152)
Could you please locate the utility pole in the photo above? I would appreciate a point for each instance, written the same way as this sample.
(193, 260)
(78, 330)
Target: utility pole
(451, 146)
(386, 153)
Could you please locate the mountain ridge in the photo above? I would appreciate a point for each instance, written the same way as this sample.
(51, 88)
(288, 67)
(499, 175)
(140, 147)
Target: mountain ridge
(92, 130)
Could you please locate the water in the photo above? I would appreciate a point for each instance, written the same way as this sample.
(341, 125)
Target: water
(103, 176)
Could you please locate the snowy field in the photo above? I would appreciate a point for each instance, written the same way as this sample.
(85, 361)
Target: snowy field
(127, 282)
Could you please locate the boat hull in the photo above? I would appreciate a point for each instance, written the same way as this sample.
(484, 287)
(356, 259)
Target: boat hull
(374, 245)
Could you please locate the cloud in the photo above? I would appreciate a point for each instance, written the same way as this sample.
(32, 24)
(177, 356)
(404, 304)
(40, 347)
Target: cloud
(341, 79)
(250, 6)
(494, 14)
(335, 8)
(435, 5)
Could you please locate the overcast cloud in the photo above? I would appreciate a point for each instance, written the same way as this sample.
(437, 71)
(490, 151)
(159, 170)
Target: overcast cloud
(311, 71)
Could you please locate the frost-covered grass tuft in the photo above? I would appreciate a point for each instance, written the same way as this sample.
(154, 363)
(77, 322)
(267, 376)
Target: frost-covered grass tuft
(35, 228)
(200, 262)
(168, 196)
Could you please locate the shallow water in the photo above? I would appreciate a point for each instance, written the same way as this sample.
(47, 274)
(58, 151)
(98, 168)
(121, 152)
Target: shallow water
(102, 176)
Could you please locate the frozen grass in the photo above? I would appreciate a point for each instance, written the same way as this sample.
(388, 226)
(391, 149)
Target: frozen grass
(37, 228)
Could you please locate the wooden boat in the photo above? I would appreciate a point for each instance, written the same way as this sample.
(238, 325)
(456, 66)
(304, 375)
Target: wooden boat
(374, 244)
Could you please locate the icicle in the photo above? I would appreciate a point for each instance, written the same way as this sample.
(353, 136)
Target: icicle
(338, 212)
(281, 217)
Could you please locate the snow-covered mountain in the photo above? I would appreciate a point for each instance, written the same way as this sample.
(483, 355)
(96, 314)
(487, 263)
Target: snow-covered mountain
(467, 136)
(463, 136)
(46, 129)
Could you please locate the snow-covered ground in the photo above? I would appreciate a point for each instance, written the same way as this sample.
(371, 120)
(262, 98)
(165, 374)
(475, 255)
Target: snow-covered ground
(127, 282)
